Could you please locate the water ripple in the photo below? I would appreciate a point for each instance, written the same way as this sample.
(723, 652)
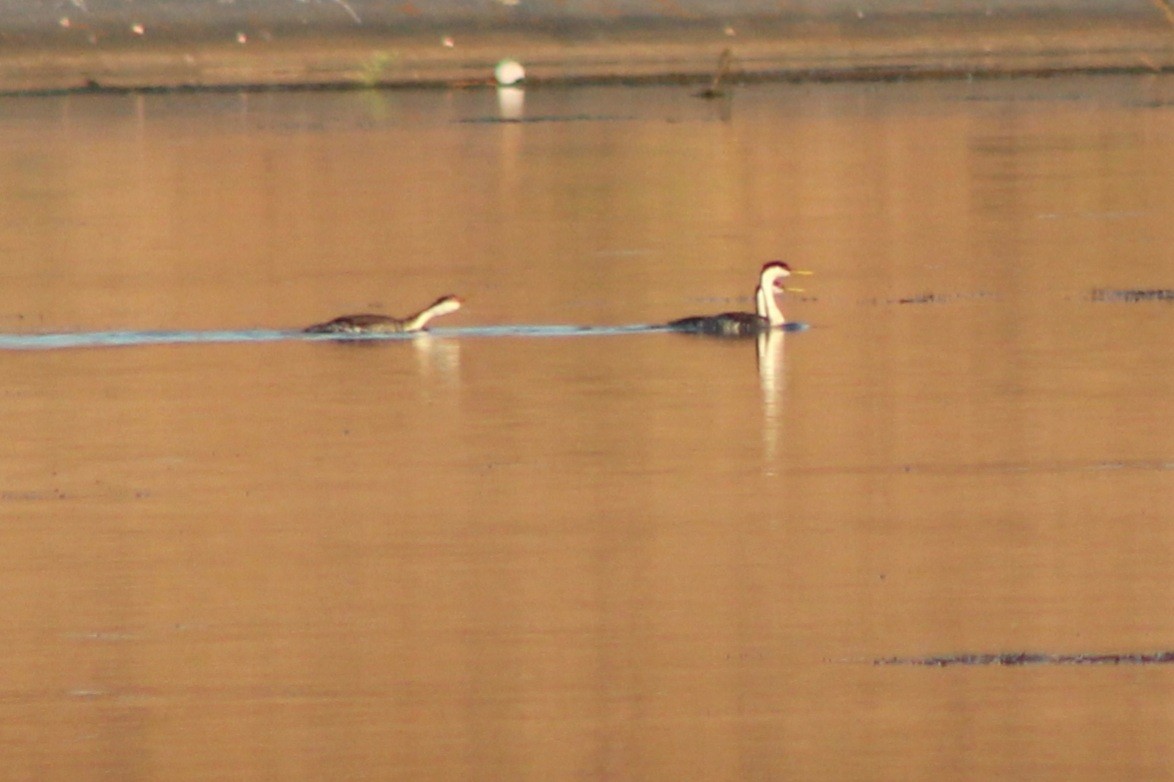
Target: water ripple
(97, 339)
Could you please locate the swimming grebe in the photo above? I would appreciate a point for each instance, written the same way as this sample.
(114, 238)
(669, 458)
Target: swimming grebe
(745, 324)
(382, 324)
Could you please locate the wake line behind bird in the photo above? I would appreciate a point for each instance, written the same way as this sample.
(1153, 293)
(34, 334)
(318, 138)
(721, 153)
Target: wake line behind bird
(100, 339)
(377, 327)
(97, 339)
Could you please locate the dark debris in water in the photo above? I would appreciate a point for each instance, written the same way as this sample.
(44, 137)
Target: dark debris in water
(989, 468)
(53, 495)
(1031, 658)
(1131, 296)
(1111, 295)
(925, 298)
(32, 495)
(935, 298)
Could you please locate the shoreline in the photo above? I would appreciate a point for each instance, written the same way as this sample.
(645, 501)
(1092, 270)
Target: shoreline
(447, 56)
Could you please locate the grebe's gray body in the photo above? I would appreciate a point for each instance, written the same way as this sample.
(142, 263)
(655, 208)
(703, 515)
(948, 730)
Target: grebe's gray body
(746, 324)
(383, 324)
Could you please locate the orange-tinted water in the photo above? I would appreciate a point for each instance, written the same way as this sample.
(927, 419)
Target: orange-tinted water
(640, 556)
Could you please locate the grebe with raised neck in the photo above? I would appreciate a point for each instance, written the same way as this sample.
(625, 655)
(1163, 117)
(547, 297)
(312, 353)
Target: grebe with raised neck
(768, 315)
(383, 324)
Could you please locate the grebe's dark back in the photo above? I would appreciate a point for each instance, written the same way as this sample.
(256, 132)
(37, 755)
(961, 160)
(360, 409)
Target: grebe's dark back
(726, 324)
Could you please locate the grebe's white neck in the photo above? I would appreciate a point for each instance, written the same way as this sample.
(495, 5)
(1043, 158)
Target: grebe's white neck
(442, 306)
(769, 283)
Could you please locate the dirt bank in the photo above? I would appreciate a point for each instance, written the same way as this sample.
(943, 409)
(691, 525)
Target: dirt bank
(117, 53)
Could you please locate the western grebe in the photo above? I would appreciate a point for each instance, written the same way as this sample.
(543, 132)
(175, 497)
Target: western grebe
(745, 324)
(383, 324)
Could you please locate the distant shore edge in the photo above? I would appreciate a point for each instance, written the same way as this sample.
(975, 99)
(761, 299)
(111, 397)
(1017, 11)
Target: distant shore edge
(122, 55)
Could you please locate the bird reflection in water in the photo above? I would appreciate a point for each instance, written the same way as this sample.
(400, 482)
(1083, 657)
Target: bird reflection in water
(771, 381)
(438, 356)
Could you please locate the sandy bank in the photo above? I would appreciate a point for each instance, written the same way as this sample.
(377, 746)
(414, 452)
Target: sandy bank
(128, 55)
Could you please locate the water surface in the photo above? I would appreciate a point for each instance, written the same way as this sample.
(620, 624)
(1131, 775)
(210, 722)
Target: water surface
(646, 556)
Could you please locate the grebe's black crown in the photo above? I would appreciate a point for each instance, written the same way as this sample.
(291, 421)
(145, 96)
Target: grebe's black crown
(777, 265)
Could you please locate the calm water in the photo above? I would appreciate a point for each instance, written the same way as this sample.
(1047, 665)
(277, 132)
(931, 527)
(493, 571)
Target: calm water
(617, 556)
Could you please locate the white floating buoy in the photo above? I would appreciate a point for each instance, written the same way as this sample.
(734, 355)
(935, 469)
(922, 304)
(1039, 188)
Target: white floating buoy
(509, 72)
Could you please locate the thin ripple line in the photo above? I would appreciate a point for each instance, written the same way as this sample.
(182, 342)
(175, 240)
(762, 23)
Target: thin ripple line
(97, 339)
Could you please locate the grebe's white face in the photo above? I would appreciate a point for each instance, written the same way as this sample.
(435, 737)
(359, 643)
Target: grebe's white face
(774, 275)
(446, 305)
